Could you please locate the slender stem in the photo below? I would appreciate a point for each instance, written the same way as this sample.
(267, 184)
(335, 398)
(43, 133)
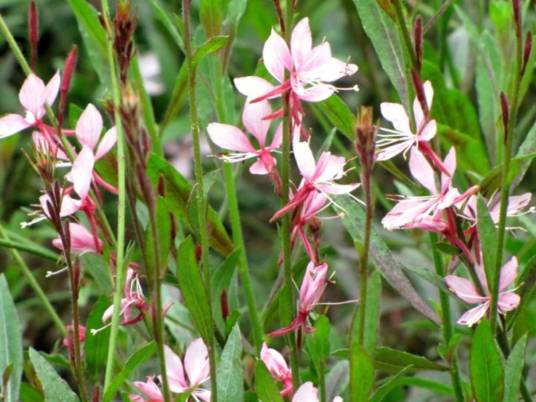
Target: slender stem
(506, 181)
(288, 294)
(243, 268)
(43, 253)
(121, 209)
(35, 285)
(446, 320)
(200, 197)
(14, 46)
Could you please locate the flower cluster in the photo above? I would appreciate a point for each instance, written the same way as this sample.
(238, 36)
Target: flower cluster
(445, 209)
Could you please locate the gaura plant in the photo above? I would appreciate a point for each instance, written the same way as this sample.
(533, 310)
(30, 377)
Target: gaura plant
(201, 204)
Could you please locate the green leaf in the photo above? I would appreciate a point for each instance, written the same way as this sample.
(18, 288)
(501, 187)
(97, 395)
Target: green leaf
(391, 359)
(192, 287)
(178, 96)
(210, 15)
(177, 196)
(96, 346)
(221, 277)
(210, 46)
(372, 313)
(94, 266)
(361, 374)
(386, 40)
(267, 390)
(94, 36)
(513, 370)
(318, 343)
(163, 16)
(338, 114)
(527, 147)
(381, 257)
(11, 342)
(488, 240)
(391, 383)
(485, 365)
(138, 358)
(54, 387)
(230, 370)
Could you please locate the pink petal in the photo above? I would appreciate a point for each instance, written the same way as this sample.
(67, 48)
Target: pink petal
(52, 89)
(428, 131)
(276, 56)
(508, 302)
(175, 371)
(196, 363)
(11, 124)
(395, 113)
(306, 393)
(334, 188)
(32, 95)
(508, 274)
(69, 206)
(278, 137)
(106, 143)
(202, 394)
(150, 389)
(450, 161)
(474, 315)
(421, 170)
(301, 42)
(329, 167)
(253, 87)
(315, 93)
(89, 127)
(275, 362)
(252, 117)
(395, 149)
(464, 289)
(407, 212)
(82, 172)
(304, 159)
(229, 137)
(335, 69)
(81, 240)
(316, 64)
(313, 285)
(258, 168)
(417, 109)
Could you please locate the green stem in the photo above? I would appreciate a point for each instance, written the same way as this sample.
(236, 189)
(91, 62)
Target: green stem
(121, 209)
(399, 12)
(200, 197)
(43, 253)
(243, 268)
(35, 285)
(505, 184)
(446, 320)
(14, 47)
(288, 291)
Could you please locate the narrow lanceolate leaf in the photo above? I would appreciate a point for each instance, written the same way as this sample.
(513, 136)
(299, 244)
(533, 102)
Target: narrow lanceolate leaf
(389, 385)
(485, 366)
(513, 371)
(267, 390)
(192, 289)
(10, 342)
(93, 35)
(385, 38)
(339, 115)
(372, 313)
(209, 47)
(96, 345)
(54, 387)
(361, 374)
(488, 240)
(137, 359)
(230, 371)
(210, 12)
(395, 360)
(389, 267)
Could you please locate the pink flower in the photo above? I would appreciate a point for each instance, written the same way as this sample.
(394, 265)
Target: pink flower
(68, 341)
(150, 391)
(82, 241)
(192, 374)
(411, 212)
(34, 96)
(233, 139)
(468, 292)
(278, 368)
(88, 131)
(317, 176)
(311, 68)
(132, 298)
(517, 205)
(312, 288)
(402, 138)
(308, 393)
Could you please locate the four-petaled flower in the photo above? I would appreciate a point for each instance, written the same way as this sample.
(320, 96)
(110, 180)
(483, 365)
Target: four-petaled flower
(469, 293)
(150, 391)
(393, 142)
(132, 298)
(233, 139)
(82, 241)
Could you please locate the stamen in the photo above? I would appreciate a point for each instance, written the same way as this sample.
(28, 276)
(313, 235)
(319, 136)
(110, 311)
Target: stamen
(52, 273)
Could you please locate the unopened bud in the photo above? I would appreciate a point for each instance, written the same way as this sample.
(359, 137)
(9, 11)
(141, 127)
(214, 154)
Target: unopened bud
(68, 72)
(419, 91)
(516, 6)
(33, 32)
(527, 52)
(365, 141)
(505, 108)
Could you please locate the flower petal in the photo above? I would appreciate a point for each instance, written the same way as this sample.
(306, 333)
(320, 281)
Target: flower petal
(89, 127)
(229, 137)
(464, 289)
(421, 170)
(395, 113)
(32, 95)
(81, 172)
(52, 89)
(508, 302)
(175, 372)
(276, 56)
(253, 119)
(106, 143)
(196, 363)
(11, 124)
(474, 315)
(253, 87)
(304, 159)
(258, 168)
(508, 274)
(306, 393)
(301, 42)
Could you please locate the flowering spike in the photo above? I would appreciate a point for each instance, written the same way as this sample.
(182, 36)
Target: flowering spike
(417, 41)
(527, 52)
(516, 6)
(505, 108)
(68, 71)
